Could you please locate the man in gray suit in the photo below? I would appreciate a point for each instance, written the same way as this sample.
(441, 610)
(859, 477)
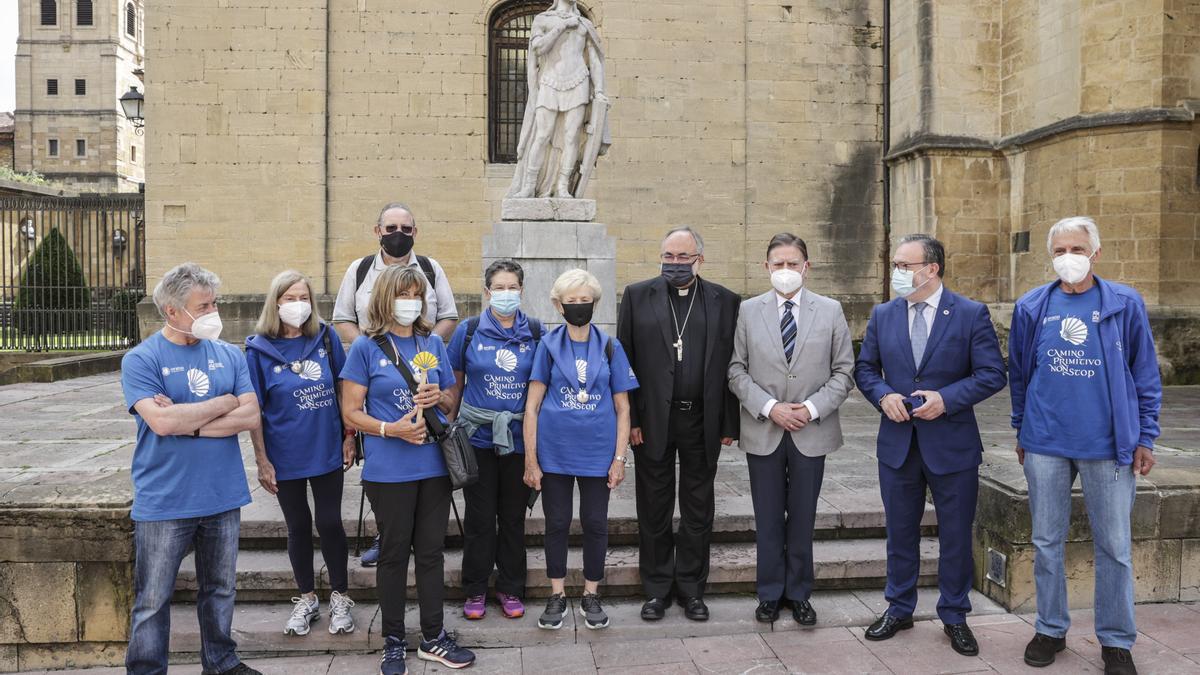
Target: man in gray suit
(792, 369)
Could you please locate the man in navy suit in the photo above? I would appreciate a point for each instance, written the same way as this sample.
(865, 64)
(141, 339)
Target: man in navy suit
(927, 358)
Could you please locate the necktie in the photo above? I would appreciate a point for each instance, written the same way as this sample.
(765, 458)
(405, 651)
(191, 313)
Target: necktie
(787, 326)
(920, 333)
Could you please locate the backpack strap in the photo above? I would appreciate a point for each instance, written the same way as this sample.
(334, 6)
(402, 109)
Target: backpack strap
(472, 324)
(608, 349)
(535, 328)
(427, 268)
(364, 267)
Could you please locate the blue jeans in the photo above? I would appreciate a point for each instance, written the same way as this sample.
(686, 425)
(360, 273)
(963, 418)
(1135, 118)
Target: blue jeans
(1108, 491)
(160, 546)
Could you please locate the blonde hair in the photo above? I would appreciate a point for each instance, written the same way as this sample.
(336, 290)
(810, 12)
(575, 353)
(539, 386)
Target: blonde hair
(269, 323)
(381, 316)
(572, 279)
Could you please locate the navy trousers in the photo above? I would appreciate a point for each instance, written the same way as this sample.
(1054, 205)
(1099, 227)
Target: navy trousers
(954, 498)
(784, 488)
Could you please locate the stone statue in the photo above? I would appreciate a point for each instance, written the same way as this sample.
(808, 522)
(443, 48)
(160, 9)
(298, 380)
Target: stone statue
(566, 114)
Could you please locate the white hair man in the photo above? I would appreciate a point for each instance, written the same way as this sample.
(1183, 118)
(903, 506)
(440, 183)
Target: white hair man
(1085, 401)
(191, 395)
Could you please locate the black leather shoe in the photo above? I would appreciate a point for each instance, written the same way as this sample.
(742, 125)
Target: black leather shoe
(962, 639)
(767, 612)
(695, 609)
(803, 613)
(886, 627)
(1117, 661)
(1040, 651)
(655, 609)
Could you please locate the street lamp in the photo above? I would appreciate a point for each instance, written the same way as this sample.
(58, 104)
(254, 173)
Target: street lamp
(131, 105)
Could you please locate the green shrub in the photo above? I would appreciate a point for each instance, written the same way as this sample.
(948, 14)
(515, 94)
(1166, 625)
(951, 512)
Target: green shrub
(124, 308)
(54, 295)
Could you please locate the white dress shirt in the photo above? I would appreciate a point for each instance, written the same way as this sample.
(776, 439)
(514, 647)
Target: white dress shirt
(795, 299)
(930, 312)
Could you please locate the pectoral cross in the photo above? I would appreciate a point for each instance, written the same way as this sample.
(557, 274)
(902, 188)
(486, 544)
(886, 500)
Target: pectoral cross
(678, 348)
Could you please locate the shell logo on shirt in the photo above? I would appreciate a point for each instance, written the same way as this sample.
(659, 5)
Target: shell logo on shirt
(506, 360)
(310, 370)
(198, 382)
(1073, 330)
(581, 370)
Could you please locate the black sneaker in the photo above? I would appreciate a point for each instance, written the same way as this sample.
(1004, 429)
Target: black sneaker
(556, 609)
(1040, 651)
(241, 669)
(1117, 661)
(445, 650)
(370, 557)
(392, 662)
(591, 611)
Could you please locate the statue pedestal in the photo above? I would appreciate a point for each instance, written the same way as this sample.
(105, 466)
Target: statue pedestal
(548, 237)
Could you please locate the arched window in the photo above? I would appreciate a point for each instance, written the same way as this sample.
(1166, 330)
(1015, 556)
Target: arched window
(130, 20)
(507, 89)
(49, 13)
(83, 13)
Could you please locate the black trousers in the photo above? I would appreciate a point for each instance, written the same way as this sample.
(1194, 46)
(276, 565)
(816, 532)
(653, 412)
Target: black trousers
(679, 557)
(784, 488)
(327, 502)
(412, 518)
(558, 493)
(495, 525)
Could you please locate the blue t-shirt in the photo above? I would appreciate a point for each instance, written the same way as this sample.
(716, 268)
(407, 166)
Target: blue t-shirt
(1068, 411)
(496, 376)
(302, 425)
(181, 476)
(393, 460)
(579, 438)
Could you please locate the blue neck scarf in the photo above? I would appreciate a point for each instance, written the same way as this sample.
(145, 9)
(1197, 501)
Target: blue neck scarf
(558, 343)
(490, 327)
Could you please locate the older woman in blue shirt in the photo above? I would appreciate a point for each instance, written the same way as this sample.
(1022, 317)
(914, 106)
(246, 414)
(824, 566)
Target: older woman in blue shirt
(577, 431)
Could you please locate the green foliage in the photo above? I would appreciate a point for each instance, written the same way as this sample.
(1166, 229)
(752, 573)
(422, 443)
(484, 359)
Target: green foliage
(124, 311)
(31, 178)
(54, 296)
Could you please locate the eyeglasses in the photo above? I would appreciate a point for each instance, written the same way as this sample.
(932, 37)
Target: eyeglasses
(406, 229)
(678, 258)
(907, 266)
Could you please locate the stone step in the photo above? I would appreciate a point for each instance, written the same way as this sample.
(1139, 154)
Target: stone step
(849, 508)
(258, 627)
(840, 564)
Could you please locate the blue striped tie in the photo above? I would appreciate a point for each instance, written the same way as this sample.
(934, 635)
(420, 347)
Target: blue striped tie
(787, 326)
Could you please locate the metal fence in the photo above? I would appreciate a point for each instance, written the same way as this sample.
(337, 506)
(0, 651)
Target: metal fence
(72, 270)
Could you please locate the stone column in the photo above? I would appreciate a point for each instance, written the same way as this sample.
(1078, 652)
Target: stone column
(547, 237)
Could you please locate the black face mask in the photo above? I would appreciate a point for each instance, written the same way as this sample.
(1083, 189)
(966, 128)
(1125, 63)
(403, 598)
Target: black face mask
(678, 275)
(579, 314)
(397, 244)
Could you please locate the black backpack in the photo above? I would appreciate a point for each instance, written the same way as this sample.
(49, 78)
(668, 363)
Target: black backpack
(364, 266)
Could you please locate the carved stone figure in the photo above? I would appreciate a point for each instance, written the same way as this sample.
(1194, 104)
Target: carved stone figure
(565, 127)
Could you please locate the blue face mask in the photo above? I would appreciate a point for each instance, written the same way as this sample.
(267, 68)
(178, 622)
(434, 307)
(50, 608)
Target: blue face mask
(506, 303)
(902, 282)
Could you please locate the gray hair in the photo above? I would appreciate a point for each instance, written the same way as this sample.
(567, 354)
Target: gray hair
(179, 282)
(269, 323)
(395, 205)
(695, 235)
(572, 279)
(1074, 224)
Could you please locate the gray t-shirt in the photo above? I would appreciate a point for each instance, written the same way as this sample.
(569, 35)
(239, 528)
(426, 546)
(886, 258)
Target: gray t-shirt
(351, 305)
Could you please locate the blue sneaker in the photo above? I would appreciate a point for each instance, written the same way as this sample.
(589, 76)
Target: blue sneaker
(370, 557)
(392, 662)
(445, 650)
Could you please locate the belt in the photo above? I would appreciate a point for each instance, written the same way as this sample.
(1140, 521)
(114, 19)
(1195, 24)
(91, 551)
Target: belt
(686, 405)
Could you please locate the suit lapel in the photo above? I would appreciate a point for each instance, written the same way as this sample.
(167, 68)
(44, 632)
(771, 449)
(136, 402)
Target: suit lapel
(769, 309)
(941, 321)
(900, 327)
(808, 313)
(712, 319)
(660, 299)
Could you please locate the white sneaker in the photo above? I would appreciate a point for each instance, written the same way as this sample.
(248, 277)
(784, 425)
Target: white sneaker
(340, 620)
(304, 614)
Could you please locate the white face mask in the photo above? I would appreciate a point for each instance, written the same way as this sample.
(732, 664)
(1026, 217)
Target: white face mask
(902, 281)
(206, 326)
(406, 311)
(1072, 267)
(295, 313)
(786, 281)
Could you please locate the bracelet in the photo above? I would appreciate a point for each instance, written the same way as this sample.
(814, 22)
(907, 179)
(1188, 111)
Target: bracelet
(383, 429)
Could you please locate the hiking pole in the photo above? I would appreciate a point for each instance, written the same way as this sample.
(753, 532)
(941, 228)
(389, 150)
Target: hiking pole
(362, 496)
(454, 506)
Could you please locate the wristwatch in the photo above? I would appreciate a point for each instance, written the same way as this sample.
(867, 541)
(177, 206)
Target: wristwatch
(624, 459)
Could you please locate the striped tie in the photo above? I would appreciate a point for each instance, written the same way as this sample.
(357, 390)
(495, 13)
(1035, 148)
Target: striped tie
(787, 326)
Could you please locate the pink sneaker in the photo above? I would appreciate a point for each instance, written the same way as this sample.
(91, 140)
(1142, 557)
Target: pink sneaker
(511, 605)
(475, 607)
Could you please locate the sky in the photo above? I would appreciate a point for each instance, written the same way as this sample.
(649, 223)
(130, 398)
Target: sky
(8, 48)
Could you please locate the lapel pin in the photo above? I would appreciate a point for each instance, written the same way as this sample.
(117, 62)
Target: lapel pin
(946, 312)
